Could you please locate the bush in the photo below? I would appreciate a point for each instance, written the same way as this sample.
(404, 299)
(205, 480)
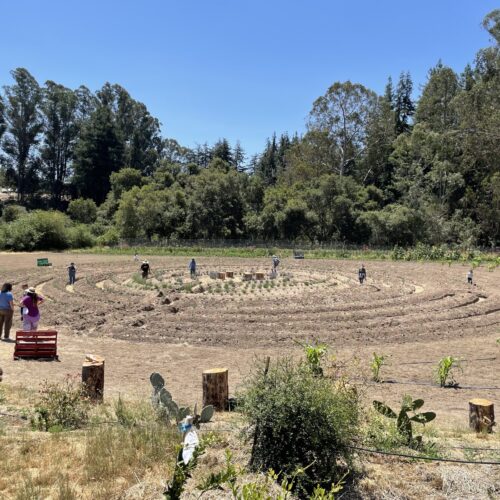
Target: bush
(21, 235)
(61, 406)
(83, 210)
(11, 213)
(80, 236)
(300, 421)
(110, 238)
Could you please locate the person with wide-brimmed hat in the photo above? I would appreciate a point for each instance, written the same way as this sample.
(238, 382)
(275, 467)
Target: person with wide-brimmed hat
(31, 313)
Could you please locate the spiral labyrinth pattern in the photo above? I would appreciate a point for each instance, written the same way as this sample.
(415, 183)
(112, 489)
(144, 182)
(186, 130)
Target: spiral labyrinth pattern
(316, 299)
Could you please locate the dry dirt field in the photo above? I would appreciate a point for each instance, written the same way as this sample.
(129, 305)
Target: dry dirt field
(413, 312)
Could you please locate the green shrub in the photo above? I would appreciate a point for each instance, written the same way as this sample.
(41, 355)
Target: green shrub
(80, 236)
(445, 371)
(109, 238)
(300, 421)
(21, 235)
(82, 210)
(10, 213)
(61, 406)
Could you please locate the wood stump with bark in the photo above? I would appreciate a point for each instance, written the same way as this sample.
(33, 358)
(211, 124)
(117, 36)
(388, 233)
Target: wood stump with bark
(259, 276)
(481, 415)
(247, 276)
(93, 377)
(229, 274)
(216, 388)
(221, 276)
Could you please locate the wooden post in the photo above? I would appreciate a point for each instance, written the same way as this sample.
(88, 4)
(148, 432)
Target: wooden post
(1, 374)
(93, 377)
(481, 415)
(230, 274)
(259, 276)
(216, 388)
(221, 276)
(247, 276)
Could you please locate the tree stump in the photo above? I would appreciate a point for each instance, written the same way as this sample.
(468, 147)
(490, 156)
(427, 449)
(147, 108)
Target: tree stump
(481, 415)
(93, 377)
(230, 274)
(247, 276)
(259, 276)
(216, 388)
(221, 276)
(1, 374)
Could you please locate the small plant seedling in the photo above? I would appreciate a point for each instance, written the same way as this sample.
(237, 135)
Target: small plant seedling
(404, 421)
(377, 362)
(314, 354)
(445, 371)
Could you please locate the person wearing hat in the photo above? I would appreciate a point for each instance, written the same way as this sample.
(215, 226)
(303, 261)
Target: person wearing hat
(276, 263)
(72, 273)
(31, 313)
(6, 310)
(145, 269)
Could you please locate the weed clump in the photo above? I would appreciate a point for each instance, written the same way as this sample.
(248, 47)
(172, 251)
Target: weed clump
(300, 421)
(61, 406)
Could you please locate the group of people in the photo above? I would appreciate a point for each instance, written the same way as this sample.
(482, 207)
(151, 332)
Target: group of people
(30, 313)
(146, 268)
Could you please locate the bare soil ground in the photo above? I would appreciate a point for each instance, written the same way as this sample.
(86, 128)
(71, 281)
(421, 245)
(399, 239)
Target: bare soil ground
(415, 313)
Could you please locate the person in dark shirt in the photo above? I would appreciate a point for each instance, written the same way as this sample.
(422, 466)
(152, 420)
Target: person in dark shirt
(145, 269)
(362, 274)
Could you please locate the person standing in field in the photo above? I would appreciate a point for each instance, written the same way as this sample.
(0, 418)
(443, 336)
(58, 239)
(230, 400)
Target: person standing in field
(192, 268)
(276, 263)
(31, 313)
(145, 269)
(6, 310)
(362, 274)
(470, 277)
(72, 273)
(23, 288)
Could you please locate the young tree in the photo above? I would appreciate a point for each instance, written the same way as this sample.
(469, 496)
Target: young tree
(239, 157)
(24, 125)
(222, 150)
(343, 113)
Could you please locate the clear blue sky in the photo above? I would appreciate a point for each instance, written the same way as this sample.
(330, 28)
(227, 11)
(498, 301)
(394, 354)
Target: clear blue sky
(239, 69)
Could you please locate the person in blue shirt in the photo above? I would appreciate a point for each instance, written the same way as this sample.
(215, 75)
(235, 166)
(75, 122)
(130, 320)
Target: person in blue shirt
(6, 310)
(192, 268)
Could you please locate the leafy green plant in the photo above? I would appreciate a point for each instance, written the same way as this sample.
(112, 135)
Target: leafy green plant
(377, 362)
(445, 371)
(61, 406)
(296, 418)
(314, 355)
(215, 480)
(404, 421)
(182, 472)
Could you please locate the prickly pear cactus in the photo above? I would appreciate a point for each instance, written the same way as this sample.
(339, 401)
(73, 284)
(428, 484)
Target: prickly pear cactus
(157, 381)
(206, 414)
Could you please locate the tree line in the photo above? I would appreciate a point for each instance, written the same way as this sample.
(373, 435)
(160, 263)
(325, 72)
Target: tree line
(370, 169)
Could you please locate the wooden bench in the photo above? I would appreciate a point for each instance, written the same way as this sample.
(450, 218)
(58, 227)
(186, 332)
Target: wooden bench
(43, 262)
(36, 344)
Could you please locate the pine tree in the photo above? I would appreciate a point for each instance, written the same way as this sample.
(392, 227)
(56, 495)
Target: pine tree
(403, 104)
(239, 157)
(99, 153)
(222, 150)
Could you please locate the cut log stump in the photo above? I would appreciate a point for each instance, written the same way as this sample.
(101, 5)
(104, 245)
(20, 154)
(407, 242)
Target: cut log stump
(481, 415)
(216, 388)
(221, 276)
(93, 377)
(247, 276)
(259, 276)
(230, 274)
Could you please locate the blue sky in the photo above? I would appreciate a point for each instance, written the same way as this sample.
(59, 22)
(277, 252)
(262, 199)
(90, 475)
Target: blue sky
(235, 69)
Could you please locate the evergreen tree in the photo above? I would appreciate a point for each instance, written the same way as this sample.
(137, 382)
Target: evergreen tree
(239, 157)
(3, 125)
(403, 103)
(222, 150)
(434, 107)
(99, 153)
(60, 127)
(24, 125)
(267, 164)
